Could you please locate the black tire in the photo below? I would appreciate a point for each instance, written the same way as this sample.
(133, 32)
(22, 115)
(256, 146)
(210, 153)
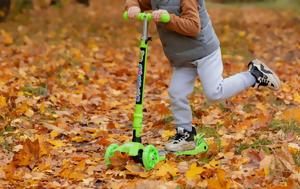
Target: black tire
(4, 9)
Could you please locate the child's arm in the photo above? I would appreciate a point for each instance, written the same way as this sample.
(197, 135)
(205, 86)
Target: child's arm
(143, 4)
(188, 23)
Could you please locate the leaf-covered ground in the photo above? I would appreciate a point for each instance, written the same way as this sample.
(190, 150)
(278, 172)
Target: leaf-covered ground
(67, 89)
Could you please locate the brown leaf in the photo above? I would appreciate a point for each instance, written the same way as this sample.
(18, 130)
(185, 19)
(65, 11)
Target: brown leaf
(28, 155)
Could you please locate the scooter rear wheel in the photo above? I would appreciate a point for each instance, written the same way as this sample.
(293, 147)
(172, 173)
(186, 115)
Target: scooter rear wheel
(110, 151)
(201, 143)
(150, 157)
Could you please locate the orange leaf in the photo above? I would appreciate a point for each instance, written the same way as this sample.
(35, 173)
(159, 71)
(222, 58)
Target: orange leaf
(28, 155)
(291, 114)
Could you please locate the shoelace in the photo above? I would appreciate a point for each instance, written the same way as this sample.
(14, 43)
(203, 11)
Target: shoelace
(264, 80)
(178, 137)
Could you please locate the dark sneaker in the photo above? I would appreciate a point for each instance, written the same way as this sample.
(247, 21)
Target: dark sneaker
(182, 141)
(264, 75)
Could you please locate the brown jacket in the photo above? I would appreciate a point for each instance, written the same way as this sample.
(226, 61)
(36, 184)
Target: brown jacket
(188, 23)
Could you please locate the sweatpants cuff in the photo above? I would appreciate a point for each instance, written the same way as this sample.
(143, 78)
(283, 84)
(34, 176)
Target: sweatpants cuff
(187, 127)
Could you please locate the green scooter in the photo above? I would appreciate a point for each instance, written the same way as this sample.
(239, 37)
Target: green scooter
(148, 155)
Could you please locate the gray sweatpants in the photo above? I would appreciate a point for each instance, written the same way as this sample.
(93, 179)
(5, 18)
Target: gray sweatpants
(210, 70)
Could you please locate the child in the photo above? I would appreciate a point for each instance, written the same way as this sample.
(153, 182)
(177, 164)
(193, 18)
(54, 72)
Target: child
(193, 49)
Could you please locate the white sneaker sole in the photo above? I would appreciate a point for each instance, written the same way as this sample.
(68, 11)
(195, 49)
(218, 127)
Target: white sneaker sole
(180, 147)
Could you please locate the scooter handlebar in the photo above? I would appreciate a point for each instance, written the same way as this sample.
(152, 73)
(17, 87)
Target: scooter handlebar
(165, 18)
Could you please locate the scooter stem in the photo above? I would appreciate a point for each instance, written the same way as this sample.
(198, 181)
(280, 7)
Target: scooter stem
(138, 112)
(141, 79)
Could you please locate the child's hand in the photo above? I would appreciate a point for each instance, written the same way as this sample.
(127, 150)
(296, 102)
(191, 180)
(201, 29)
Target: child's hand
(157, 14)
(133, 11)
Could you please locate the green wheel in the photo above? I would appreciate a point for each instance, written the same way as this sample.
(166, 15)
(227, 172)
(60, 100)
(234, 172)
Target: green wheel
(150, 157)
(110, 153)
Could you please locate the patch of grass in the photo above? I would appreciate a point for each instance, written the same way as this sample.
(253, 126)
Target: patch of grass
(211, 132)
(241, 148)
(257, 144)
(249, 108)
(285, 126)
(223, 107)
(270, 4)
(5, 145)
(7, 128)
(168, 119)
(38, 91)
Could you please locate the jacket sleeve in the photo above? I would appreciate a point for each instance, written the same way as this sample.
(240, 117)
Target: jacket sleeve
(188, 23)
(143, 4)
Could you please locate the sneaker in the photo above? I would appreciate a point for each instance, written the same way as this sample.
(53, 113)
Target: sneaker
(264, 75)
(182, 141)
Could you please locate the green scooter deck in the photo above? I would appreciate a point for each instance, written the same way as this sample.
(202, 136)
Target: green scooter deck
(148, 155)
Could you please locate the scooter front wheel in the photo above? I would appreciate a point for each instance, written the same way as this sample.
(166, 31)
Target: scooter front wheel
(150, 157)
(110, 151)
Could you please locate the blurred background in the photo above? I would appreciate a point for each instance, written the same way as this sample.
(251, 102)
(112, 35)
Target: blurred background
(16, 6)
(68, 77)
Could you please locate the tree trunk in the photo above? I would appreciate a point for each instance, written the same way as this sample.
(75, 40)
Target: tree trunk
(4, 9)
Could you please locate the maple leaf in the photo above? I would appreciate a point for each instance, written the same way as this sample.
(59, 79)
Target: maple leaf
(167, 168)
(28, 155)
(194, 171)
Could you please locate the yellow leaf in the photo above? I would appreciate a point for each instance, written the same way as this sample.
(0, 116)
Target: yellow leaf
(293, 148)
(167, 133)
(29, 112)
(242, 33)
(42, 107)
(21, 109)
(194, 171)
(220, 182)
(44, 148)
(81, 166)
(286, 88)
(291, 114)
(54, 134)
(214, 163)
(297, 98)
(2, 102)
(56, 143)
(167, 168)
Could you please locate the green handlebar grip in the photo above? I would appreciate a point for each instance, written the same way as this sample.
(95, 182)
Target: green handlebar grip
(165, 18)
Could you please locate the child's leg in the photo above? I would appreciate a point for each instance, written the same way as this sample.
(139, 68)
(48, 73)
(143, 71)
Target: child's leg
(182, 84)
(210, 70)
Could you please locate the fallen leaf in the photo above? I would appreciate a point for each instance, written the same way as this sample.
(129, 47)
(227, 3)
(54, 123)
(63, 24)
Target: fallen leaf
(194, 172)
(167, 168)
(56, 143)
(291, 114)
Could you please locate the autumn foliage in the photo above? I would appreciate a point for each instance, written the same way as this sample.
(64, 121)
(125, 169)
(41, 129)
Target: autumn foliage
(67, 90)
